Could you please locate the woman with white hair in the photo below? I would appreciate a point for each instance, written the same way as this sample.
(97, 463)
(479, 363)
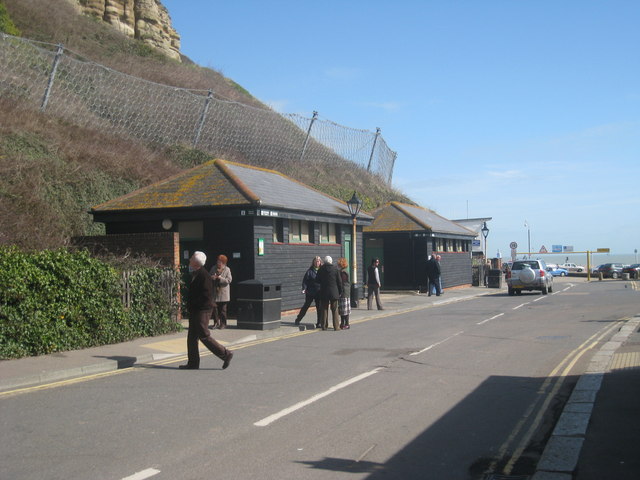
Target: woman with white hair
(200, 306)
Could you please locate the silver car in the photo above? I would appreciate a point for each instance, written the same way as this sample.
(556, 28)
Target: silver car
(529, 275)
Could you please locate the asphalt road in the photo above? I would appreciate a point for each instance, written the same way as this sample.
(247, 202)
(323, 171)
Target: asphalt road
(449, 392)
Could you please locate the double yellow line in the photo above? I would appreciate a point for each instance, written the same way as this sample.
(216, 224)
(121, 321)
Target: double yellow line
(537, 409)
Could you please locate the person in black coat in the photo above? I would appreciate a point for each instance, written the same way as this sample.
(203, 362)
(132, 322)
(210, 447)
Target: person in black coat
(433, 275)
(374, 284)
(311, 290)
(200, 306)
(330, 291)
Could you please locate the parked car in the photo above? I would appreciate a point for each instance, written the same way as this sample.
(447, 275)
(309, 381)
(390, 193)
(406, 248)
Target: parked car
(632, 270)
(613, 270)
(594, 270)
(572, 267)
(557, 271)
(529, 275)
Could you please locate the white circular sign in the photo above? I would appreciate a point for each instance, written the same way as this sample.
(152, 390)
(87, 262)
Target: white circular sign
(513, 245)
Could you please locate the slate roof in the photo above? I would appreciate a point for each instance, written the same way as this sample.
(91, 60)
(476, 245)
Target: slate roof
(402, 217)
(220, 183)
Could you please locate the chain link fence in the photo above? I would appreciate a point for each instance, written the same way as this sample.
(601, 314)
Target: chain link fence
(60, 82)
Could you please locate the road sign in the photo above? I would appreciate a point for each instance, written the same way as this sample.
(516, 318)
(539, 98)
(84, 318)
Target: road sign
(603, 250)
(543, 249)
(513, 245)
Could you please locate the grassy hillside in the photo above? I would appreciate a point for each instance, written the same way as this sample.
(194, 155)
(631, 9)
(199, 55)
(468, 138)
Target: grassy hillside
(52, 170)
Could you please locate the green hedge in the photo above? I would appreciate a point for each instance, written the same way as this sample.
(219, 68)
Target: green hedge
(57, 300)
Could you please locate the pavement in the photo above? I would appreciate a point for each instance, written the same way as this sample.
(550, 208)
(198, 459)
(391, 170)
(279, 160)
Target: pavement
(596, 436)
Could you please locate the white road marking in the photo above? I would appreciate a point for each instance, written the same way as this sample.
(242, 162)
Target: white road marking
(282, 413)
(489, 319)
(539, 298)
(436, 344)
(521, 305)
(149, 472)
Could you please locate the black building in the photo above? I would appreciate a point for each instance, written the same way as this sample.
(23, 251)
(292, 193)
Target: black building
(268, 225)
(403, 236)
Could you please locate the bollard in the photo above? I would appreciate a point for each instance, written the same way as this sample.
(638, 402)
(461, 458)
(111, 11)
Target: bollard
(625, 276)
(600, 276)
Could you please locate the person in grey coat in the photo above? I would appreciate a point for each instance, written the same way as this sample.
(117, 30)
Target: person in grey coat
(330, 291)
(221, 276)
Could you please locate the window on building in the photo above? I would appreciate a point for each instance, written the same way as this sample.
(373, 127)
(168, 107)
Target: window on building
(298, 231)
(278, 230)
(191, 231)
(327, 233)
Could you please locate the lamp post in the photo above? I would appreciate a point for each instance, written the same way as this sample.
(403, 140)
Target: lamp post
(354, 205)
(526, 224)
(485, 234)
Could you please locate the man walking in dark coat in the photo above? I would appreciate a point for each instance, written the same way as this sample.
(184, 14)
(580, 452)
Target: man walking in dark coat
(433, 275)
(200, 306)
(330, 291)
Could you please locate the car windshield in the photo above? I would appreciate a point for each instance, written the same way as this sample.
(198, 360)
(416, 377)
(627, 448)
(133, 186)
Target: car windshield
(521, 265)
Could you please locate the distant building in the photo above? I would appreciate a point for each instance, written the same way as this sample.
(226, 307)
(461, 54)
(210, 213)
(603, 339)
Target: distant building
(268, 225)
(403, 236)
(475, 224)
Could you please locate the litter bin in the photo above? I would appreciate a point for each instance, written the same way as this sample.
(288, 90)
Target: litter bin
(494, 280)
(475, 276)
(357, 293)
(259, 305)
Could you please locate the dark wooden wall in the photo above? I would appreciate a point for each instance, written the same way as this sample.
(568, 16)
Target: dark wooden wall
(405, 257)
(286, 263)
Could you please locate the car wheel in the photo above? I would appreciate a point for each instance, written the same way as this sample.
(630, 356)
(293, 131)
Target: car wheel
(562, 274)
(518, 292)
(545, 290)
(550, 288)
(511, 292)
(614, 275)
(579, 270)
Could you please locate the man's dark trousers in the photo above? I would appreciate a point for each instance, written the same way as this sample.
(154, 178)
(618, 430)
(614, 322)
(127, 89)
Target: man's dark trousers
(199, 330)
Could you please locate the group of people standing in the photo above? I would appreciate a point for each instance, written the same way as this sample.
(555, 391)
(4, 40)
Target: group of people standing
(329, 288)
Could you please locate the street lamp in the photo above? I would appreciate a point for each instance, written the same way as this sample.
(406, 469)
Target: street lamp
(526, 224)
(354, 205)
(485, 234)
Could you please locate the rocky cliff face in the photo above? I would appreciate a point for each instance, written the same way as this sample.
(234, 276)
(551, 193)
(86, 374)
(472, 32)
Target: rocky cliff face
(146, 20)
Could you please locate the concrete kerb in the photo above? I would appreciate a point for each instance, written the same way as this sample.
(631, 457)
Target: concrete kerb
(562, 452)
(285, 329)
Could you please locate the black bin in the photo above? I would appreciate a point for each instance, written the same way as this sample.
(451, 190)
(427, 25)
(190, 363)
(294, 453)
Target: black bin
(494, 280)
(356, 294)
(259, 305)
(475, 276)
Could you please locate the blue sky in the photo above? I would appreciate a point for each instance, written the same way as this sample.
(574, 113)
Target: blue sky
(516, 110)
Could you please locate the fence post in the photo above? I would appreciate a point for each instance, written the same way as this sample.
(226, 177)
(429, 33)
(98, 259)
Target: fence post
(306, 140)
(393, 162)
(52, 76)
(375, 139)
(203, 116)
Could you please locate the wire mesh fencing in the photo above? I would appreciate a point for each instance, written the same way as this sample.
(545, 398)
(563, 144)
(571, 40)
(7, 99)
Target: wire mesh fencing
(61, 83)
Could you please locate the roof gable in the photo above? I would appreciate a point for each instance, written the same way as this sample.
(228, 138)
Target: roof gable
(402, 217)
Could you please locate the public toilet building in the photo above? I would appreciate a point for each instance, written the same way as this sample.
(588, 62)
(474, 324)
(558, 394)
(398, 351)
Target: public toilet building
(403, 236)
(268, 225)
